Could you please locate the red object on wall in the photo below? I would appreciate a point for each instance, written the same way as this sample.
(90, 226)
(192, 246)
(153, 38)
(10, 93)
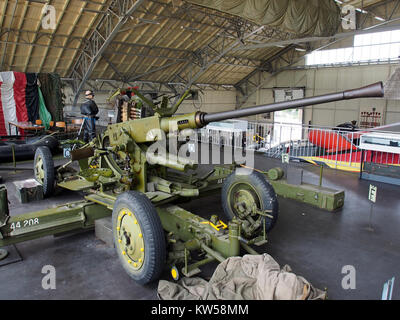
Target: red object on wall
(19, 97)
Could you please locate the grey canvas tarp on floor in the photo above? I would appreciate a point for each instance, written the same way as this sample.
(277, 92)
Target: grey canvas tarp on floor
(319, 18)
(249, 277)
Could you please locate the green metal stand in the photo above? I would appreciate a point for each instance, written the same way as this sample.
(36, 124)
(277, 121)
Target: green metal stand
(319, 196)
(64, 218)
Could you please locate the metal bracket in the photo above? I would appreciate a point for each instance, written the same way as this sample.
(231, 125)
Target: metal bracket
(3, 223)
(193, 269)
(217, 227)
(3, 254)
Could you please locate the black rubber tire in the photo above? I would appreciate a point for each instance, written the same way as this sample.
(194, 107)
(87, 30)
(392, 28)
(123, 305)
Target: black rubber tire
(153, 236)
(265, 192)
(48, 168)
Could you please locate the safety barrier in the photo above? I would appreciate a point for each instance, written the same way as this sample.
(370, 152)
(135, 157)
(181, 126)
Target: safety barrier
(337, 148)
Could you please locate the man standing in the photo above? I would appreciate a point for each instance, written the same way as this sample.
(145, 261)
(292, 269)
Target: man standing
(89, 109)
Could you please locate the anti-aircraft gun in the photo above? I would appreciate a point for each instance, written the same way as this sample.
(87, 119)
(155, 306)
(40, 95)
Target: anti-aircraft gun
(128, 172)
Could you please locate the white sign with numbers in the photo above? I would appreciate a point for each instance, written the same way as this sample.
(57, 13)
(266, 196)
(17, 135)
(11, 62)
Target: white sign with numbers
(372, 193)
(67, 153)
(285, 158)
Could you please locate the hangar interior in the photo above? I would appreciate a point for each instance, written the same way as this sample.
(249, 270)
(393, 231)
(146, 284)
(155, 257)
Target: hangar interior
(204, 57)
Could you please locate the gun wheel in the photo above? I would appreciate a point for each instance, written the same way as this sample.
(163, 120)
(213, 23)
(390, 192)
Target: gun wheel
(247, 196)
(44, 170)
(139, 237)
(130, 238)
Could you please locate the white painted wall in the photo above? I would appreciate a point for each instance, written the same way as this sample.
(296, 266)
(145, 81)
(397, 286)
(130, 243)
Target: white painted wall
(211, 101)
(328, 80)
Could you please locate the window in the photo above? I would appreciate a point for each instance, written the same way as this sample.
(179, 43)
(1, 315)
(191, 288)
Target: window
(380, 46)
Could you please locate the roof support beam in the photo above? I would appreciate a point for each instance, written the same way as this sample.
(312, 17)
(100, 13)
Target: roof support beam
(267, 64)
(211, 54)
(166, 66)
(64, 10)
(255, 80)
(5, 45)
(100, 39)
(338, 36)
(58, 40)
(114, 68)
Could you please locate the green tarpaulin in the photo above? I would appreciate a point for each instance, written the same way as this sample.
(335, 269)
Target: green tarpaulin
(44, 115)
(51, 86)
(251, 277)
(301, 17)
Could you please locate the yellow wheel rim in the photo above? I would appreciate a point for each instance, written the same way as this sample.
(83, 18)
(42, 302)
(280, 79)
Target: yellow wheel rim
(39, 171)
(130, 239)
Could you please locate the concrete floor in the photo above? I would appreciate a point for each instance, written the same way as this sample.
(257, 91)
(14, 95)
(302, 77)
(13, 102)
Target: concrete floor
(315, 243)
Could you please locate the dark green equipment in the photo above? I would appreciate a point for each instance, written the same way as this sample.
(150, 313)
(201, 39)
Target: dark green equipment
(128, 173)
(318, 196)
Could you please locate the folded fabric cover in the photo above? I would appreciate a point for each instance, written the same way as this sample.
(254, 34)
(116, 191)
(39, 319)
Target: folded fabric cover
(251, 277)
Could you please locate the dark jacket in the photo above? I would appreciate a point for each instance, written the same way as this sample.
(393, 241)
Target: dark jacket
(89, 108)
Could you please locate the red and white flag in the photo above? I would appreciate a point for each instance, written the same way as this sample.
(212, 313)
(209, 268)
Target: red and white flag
(13, 106)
